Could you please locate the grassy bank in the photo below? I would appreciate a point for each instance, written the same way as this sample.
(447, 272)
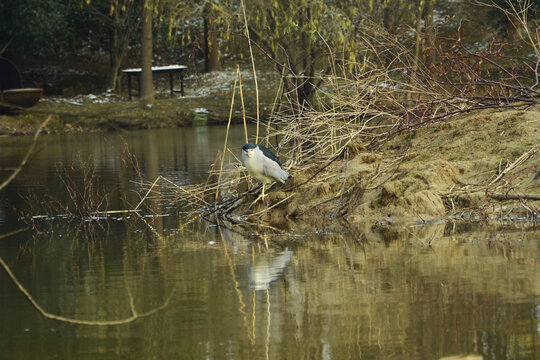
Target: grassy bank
(483, 165)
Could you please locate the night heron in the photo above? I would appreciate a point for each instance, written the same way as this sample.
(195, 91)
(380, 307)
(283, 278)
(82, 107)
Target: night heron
(263, 165)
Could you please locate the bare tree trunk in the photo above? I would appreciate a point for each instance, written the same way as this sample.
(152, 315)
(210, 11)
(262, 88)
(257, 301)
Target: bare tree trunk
(430, 30)
(211, 49)
(112, 81)
(301, 77)
(305, 87)
(213, 56)
(206, 45)
(417, 47)
(116, 56)
(122, 24)
(147, 89)
(418, 40)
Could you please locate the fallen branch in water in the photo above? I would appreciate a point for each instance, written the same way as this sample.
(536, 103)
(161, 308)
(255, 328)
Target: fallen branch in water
(104, 213)
(227, 204)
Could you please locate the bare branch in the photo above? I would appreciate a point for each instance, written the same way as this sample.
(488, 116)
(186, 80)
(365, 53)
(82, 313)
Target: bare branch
(27, 156)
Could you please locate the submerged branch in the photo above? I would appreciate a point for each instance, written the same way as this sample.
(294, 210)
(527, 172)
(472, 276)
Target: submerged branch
(134, 314)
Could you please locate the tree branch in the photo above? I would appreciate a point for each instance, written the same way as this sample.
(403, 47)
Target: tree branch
(27, 156)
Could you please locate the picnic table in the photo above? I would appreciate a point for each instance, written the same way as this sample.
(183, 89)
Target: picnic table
(168, 69)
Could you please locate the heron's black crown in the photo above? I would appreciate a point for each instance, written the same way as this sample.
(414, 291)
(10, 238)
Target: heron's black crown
(249, 146)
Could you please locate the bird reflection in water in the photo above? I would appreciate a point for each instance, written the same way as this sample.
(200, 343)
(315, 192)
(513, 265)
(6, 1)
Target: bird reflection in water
(267, 268)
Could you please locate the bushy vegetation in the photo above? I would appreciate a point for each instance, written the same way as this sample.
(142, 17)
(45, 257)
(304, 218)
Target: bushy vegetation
(304, 41)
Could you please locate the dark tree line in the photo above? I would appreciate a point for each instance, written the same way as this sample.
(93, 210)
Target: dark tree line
(301, 38)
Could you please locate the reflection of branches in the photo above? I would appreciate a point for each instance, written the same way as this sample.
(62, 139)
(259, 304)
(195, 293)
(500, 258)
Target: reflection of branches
(242, 308)
(27, 156)
(13, 232)
(134, 314)
(86, 199)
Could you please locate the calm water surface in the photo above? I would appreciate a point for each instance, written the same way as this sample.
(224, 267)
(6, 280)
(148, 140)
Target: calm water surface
(317, 292)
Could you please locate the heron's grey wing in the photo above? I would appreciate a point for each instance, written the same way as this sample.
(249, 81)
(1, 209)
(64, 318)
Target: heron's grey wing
(269, 154)
(272, 169)
(244, 158)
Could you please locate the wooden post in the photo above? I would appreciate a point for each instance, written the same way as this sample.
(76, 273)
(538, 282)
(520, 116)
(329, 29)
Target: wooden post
(146, 96)
(129, 85)
(171, 80)
(182, 82)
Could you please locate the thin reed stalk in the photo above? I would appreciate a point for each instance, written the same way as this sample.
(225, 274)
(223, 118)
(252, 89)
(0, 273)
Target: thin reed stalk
(227, 132)
(278, 95)
(242, 100)
(254, 70)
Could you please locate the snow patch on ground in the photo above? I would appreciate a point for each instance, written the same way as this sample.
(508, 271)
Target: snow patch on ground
(102, 98)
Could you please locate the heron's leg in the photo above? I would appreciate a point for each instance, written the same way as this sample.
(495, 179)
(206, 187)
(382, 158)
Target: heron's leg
(261, 196)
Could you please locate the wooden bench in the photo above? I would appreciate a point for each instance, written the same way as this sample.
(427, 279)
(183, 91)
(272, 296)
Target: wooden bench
(169, 69)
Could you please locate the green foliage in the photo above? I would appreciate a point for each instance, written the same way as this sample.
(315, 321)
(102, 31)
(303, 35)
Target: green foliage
(307, 39)
(38, 28)
(61, 27)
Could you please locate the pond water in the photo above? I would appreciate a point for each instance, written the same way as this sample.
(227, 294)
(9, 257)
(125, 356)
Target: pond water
(418, 291)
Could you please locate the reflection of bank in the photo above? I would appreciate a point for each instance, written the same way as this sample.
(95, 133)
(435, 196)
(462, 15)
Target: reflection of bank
(267, 268)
